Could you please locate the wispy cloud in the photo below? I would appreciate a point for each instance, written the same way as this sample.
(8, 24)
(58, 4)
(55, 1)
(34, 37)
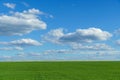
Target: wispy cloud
(25, 4)
(92, 47)
(11, 48)
(10, 5)
(64, 54)
(118, 42)
(22, 42)
(117, 32)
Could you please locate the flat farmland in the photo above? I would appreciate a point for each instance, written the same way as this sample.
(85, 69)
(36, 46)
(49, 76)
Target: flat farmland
(67, 70)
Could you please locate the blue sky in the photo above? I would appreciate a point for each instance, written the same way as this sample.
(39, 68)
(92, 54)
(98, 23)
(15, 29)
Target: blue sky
(59, 30)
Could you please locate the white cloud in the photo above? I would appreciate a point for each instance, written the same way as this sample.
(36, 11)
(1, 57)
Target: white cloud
(19, 23)
(11, 48)
(23, 42)
(25, 4)
(81, 39)
(9, 5)
(21, 54)
(96, 47)
(86, 35)
(61, 51)
(54, 35)
(51, 16)
(18, 48)
(67, 54)
(6, 57)
(28, 54)
(118, 42)
(33, 11)
(79, 36)
(34, 54)
(117, 32)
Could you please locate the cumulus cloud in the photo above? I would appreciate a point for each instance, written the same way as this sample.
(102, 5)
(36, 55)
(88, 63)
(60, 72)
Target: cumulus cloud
(79, 36)
(81, 39)
(9, 5)
(23, 42)
(54, 35)
(19, 23)
(97, 46)
(86, 35)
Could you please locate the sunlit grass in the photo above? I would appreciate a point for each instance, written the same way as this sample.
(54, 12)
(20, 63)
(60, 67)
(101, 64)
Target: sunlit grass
(60, 70)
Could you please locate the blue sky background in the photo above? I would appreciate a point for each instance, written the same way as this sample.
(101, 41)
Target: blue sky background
(69, 23)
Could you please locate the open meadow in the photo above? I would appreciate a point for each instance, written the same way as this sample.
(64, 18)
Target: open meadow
(78, 70)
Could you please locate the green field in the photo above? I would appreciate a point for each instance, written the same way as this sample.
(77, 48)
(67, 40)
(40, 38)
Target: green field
(60, 70)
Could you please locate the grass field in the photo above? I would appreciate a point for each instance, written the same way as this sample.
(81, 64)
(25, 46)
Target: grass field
(60, 70)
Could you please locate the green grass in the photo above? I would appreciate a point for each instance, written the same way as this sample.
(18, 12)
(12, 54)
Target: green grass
(60, 70)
